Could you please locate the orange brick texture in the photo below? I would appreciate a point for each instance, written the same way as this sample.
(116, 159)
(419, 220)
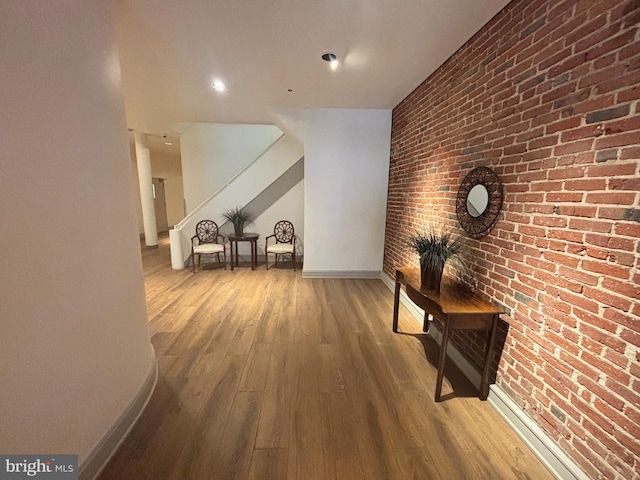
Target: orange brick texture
(547, 94)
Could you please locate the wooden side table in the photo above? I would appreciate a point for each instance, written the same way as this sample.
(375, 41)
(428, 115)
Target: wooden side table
(252, 238)
(456, 310)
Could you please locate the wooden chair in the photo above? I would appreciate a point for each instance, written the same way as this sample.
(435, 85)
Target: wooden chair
(205, 242)
(285, 243)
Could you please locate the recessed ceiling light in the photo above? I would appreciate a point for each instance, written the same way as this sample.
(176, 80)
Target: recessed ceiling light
(332, 58)
(218, 85)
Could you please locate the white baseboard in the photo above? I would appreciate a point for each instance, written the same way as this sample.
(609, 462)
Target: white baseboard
(98, 458)
(542, 446)
(352, 274)
(550, 454)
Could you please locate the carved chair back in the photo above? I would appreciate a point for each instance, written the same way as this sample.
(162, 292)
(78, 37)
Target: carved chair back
(207, 231)
(283, 232)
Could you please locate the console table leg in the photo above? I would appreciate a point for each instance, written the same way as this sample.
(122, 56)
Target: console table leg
(425, 323)
(443, 356)
(484, 383)
(253, 257)
(396, 306)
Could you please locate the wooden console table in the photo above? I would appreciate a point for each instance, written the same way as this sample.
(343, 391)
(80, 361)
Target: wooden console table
(252, 238)
(455, 309)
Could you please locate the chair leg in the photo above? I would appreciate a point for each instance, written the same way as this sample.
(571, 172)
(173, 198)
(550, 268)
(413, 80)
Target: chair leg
(293, 259)
(266, 260)
(193, 262)
(224, 254)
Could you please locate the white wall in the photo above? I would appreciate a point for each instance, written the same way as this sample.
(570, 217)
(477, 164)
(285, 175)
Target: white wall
(74, 342)
(212, 153)
(345, 191)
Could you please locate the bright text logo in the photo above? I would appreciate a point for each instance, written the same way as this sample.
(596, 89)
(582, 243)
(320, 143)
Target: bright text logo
(46, 467)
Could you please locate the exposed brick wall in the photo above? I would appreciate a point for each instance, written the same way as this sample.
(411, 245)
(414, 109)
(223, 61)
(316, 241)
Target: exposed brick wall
(547, 94)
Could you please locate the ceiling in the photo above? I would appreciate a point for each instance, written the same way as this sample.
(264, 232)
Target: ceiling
(172, 50)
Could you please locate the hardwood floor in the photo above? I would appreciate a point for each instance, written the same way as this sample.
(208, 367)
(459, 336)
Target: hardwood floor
(264, 375)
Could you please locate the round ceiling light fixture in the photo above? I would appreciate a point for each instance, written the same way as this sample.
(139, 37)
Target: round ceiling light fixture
(332, 58)
(218, 85)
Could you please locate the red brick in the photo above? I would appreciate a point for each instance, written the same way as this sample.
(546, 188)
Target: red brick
(577, 159)
(616, 317)
(622, 125)
(591, 105)
(598, 253)
(630, 153)
(606, 269)
(585, 185)
(618, 83)
(550, 221)
(627, 229)
(579, 276)
(602, 337)
(569, 172)
(612, 170)
(601, 75)
(626, 289)
(577, 210)
(631, 443)
(563, 197)
(628, 95)
(566, 235)
(606, 298)
(565, 124)
(611, 198)
(562, 259)
(590, 131)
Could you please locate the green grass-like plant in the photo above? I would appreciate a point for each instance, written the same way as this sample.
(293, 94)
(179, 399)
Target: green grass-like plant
(238, 216)
(435, 248)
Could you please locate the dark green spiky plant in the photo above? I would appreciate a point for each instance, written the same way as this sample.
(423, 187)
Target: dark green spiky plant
(239, 217)
(435, 249)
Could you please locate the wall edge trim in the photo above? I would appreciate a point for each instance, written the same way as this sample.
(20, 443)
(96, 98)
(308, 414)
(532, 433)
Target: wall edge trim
(550, 454)
(351, 274)
(100, 455)
(542, 446)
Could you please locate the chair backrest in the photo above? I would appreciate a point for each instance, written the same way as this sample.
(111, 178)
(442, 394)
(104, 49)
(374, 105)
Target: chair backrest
(283, 231)
(207, 231)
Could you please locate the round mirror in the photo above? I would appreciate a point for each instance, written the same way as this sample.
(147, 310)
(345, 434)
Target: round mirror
(477, 200)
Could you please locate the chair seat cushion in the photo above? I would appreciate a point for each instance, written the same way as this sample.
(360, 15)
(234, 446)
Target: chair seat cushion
(280, 248)
(208, 248)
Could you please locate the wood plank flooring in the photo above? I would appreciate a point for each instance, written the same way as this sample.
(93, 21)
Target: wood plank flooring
(264, 375)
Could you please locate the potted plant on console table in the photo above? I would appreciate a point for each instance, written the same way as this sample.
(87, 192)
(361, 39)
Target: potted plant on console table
(239, 217)
(435, 248)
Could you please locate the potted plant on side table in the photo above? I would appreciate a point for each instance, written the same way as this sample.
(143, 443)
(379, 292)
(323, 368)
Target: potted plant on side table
(435, 248)
(239, 217)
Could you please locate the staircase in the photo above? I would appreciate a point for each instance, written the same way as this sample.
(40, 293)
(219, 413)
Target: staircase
(257, 187)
